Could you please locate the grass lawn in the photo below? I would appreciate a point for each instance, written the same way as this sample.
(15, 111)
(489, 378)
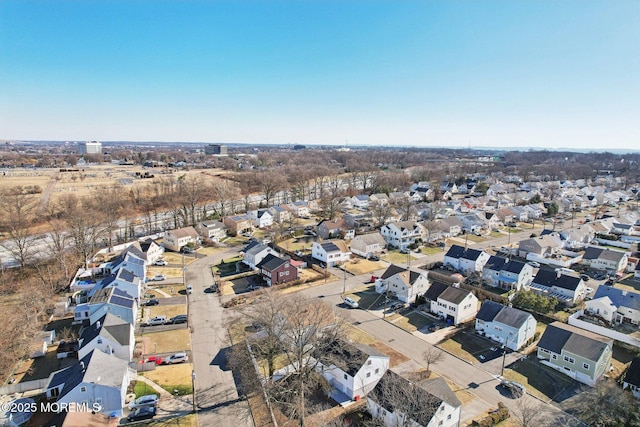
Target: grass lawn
(165, 310)
(541, 381)
(455, 348)
(209, 250)
(142, 389)
(475, 238)
(279, 362)
(235, 241)
(412, 321)
(362, 266)
(172, 377)
(176, 258)
(298, 243)
(358, 335)
(172, 290)
(166, 342)
(184, 421)
(428, 250)
(170, 272)
(227, 268)
(496, 234)
(397, 258)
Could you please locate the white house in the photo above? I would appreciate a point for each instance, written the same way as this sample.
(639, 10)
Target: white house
(176, 239)
(404, 284)
(615, 305)
(97, 379)
(330, 252)
(506, 325)
(147, 250)
(280, 214)
(401, 234)
(453, 304)
(396, 401)
(255, 252)
(465, 259)
(261, 218)
(507, 274)
(360, 201)
(368, 245)
(605, 259)
(214, 230)
(566, 288)
(107, 300)
(110, 335)
(353, 369)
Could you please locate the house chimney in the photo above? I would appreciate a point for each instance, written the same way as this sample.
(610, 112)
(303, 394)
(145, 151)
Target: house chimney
(624, 292)
(82, 366)
(98, 324)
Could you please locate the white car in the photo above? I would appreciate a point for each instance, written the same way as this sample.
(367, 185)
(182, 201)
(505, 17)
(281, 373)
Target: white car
(176, 358)
(158, 320)
(350, 302)
(148, 400)
(160, 262)
(159, 277)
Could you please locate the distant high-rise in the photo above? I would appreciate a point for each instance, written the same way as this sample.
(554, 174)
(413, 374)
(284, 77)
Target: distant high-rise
(89, 147)
(217, 149)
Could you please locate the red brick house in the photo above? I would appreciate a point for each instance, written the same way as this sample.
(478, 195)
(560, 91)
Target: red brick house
(275, 270)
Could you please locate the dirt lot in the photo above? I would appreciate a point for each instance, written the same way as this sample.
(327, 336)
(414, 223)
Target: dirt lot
(166, 342)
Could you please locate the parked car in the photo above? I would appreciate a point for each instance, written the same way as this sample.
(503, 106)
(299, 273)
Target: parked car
(176, 358)
(434, 327)
(534, 264)
(374, 258)
(187, 250)
(396, 306)
(180, 318)
(155, 359)
(350, 302)
(517, 390)
(158, 320)
(147, 400)
(404, 251)
(142, 413)
(159, 277)
(152, 302)
(160, 262)
(589, 290)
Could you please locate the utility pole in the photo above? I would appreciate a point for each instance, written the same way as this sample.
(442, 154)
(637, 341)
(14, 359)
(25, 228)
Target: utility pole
(504, 353)
(193, 388)
(344, 283)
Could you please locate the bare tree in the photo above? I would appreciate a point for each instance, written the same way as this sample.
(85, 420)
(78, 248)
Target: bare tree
(16, 219)
(527, 411)
(607, 405)
(431, 355)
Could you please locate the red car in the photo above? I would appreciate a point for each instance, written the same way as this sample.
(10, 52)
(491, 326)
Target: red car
(156, 359)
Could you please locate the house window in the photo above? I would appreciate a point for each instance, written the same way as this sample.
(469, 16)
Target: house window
(377, 370)
(54, 392)
(345, 376)
(569, 359)
(585, 366)
(554, 356)
(368, 362)
(368, 374)
(449, 416)
(99, 340)
(83, 389)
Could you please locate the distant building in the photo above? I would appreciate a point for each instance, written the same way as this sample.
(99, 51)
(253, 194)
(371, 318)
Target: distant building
(90, 147)
(217, 149)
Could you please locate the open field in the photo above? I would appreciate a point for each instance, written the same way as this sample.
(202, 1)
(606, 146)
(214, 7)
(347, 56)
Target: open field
(172, 377)
(166, 342)
(362, 266)
(397, 258)
(165, 310)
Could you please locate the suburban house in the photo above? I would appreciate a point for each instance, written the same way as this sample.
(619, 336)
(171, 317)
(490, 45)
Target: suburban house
(509, 326)
(605, 259)
(261, 218)
(401, 234)
(542, 246)
(214, 230)
(128, 261)
(280, 214)
(238, 224)
(615, 305)
(98, 378)
(107, 300)
(404, 284)
(255, 252)
(360, 201)
(275, 270)
(450, 226)
(632, 378)
(175, 240)
(110, 335)
(453, 304)
(380, 199)
(124, 280)
(368, 245)
(576, 238)
(333, 229)
(502, 273)
(299, 209)
(396, 401)
(566, 288)
(353, 370)
(147, 250)
(330, 252)
(465, 259)
(580, 354)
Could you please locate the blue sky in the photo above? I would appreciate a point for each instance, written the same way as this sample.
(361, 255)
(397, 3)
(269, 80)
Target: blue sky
(425, 73)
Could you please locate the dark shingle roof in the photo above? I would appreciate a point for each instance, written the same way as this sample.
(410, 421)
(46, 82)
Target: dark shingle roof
(495, 263)
(456, 251)
(435, 290)
(512, 317)
(514, 266)
(392, 270)
(489, 310)
(559, 336)
(329, 247)
(271, 262)
(550, 278)
(633, 373)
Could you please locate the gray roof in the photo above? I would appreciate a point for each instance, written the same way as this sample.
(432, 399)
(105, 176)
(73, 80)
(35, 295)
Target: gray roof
(392, 270)
(350, 357)
(560, 337)
(550, 278)
(271, 262)
(256, 249)
(514, 266)
(456, 251)
(454, 295)
(495, 263)
(494, 312)
(419, 401)
(619, 297)
(602, 253)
